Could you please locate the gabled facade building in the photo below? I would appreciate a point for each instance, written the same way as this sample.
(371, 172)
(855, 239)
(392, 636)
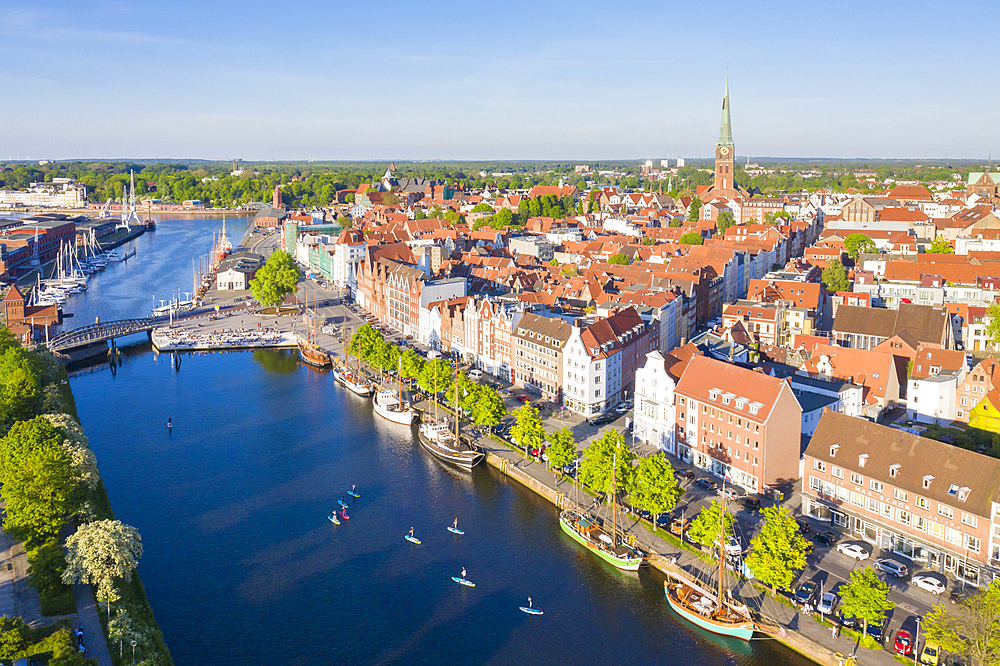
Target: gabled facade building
(931, 502)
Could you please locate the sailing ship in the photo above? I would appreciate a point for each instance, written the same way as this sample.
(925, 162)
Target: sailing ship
(355, 383)
(714, 610)
(389, 405)
(440, 442)
(309, 351)
(593, 533)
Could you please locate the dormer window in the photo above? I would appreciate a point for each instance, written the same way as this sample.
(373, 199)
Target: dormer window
(741, 403)
(833, 450)
(927, 480)
(894, 470)
(963, 493)
(714, 394)
(862, 459)
(953, 489)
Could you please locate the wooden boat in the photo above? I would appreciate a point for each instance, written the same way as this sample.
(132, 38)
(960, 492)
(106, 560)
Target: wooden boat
(351, 382)
(712, 610)
(438, 439)
(309, 351)
(598, 536)
(390, 406)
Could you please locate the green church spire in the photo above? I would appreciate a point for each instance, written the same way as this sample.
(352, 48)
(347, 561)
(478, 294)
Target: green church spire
(725, 128)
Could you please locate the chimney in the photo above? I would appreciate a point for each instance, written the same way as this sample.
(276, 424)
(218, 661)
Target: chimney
(683, 342)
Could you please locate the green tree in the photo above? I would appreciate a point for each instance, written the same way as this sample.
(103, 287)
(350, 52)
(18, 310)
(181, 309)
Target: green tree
(39, 484)
(724, 221)
(972, 630)
(365, 342)
(503, 218)
(858, 244)
(600, 458)
(13, 637)
(619, 258)
(778, 551)
(482, 208)
(705, 527)
(865, 596)
(940, 245)
(275, 279)
(694, 210)
(691, 238)
(489, 408)
(676, 222)
(413, 363)
(561, 449)
(834, 277)
(435, 376)
(649, 241)
(656, 489)
(528, 430)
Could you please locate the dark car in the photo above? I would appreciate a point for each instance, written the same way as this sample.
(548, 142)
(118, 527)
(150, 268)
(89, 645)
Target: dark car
(706, 484)
(803, 525)
(685, 474)
(603, 419)
(751, 504)
(876, 628)
(848, 621)
(826, 538)
(663, 520)
(805, 594)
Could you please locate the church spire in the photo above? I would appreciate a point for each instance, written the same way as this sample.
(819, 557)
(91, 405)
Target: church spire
(725, 128)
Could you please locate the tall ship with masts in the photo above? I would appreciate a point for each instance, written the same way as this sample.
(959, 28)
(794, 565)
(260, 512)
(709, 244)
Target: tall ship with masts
(711, 607)
(601, 537)
(389, 404)
(355, 383)
(309, 350)
(436, 437)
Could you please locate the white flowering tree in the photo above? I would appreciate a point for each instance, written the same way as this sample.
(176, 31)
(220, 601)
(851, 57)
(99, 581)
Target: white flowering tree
(101, 552)
(75, 443)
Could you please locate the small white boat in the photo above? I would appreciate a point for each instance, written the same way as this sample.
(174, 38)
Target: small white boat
(388, 405)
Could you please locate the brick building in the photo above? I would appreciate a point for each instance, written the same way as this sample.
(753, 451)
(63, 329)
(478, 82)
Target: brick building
(537, 348)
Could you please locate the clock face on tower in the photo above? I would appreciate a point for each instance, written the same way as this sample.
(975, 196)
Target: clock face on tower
(724, 150)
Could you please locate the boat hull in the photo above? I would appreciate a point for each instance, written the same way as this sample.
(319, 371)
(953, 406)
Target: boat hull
(313, 356)
(463, 460)
(627, 564)
(405, 417)
(358, 388)
(742, 630)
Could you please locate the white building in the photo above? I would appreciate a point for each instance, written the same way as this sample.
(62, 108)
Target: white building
(655, 416)
(932, 389)
(616, 226)
(348, 253)
(58, 193)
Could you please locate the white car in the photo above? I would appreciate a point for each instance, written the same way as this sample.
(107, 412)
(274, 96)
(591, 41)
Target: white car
(732, 547)
(827, 603)
(929, 583)
(853, 550)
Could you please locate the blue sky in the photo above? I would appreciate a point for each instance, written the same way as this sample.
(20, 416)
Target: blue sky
(502, 80)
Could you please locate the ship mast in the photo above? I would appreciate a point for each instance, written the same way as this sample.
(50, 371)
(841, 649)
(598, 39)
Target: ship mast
(456, 407)
(614, 522)
(722, 550)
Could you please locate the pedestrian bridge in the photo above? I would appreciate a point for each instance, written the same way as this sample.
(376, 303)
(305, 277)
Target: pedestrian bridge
(92, 333)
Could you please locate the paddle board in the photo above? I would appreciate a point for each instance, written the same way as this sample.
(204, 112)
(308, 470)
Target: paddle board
(463, 581)
(342, 503)
(333, 519)
(353, 494)
(531, 611)
(343, 514)
(412, 539)
(455, 530)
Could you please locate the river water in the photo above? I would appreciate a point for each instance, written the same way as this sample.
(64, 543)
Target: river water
(242, 566)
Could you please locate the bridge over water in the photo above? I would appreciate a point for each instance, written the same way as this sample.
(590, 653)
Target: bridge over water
(85, 335)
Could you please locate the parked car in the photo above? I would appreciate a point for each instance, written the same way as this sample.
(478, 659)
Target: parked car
(523, 399)
(602, 419)
(847, 621)
(732, 494)
(685, 474)
(826, 538)
(930, 655)
(904, 643)
(853, 550)
(827, 603)
(706, 484)
(929, 583)
(751, 504)
(892, 567)
(622, 408)
(679, 527)
(876, 628)
(805, 593)
(803, 525)
(663, 520)
(733, 547)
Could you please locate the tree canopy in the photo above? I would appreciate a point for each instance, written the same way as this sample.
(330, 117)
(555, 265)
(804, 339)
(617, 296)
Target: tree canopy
(940, 245)
(778, 550)
(562, 448)
(705, 527)
(277, 278)
(600, 458)
(858, 244)
(973, 629)
(694, 209)
(691, 238)
(655, 487)
(528, 429)
(834, 277)
(619, 258)
(865, 596)
(101, 553)
(725, 220)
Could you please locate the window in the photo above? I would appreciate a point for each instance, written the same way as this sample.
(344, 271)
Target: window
(899, 494)
(876, 485)
(920, 523)
(921, 502)
(927, 480)
(887, 509)
(972, 543)
(969, 520)
(893, 470)
(837, 472)
(815, 484)
(903, 517)
(833, 450)
(857, 499)
(857, 479)
(945, 511)
(872, 504)
(935, 529)
(818, 465)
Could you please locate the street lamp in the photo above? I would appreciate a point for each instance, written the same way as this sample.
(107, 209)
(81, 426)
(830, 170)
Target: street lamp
(133, 652)
(916, 642)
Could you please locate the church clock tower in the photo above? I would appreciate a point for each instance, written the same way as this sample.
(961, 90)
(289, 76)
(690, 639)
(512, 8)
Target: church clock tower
(725, 158)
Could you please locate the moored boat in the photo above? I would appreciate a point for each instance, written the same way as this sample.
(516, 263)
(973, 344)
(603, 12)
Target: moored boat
(438, 439)
(312, 355)
(351, 382)
(388, 405)
(586, 530)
